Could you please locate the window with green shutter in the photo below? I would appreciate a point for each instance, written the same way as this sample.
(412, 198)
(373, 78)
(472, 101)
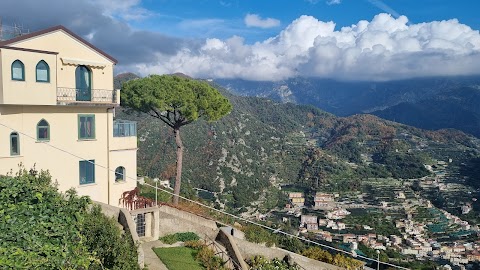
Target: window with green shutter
(87, 172)
(86, 126)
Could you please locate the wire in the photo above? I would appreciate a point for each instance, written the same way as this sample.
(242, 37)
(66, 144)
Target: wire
(209, 207)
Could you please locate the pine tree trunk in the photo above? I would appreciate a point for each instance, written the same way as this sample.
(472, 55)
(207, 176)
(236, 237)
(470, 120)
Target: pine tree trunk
(178, 176)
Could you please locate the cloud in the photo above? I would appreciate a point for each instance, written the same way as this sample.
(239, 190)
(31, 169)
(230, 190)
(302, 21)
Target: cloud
(228, 3)
(334, 2)
(200, 23)
(95, 20)
(384, 7)
(384, 48)
(254, 20)
(125, 9)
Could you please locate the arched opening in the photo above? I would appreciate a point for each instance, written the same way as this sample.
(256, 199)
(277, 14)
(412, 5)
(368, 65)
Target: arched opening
(83, 83)
(120, 174)
(42, 72)
(18, 71)
(43, 130)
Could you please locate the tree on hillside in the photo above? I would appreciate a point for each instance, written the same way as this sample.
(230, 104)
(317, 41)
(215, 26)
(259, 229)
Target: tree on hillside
(176, 101)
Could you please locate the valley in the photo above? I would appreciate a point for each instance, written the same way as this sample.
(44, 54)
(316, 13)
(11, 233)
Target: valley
(408, 187)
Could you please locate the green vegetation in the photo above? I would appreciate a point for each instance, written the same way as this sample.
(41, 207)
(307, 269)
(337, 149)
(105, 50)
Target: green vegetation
(338, 259)
(194, 255)
(262, 144)
(208, 259)
(273, 198)
(179, 258)
(43, 229)
(372, 253)
(179, 237)
(262, 263)
(399, 259)
(206, 256)
(256, 234)
(400, 165)
(423, 214)
(148, 191)
(176, 101)
(377, 221)
(472, 170)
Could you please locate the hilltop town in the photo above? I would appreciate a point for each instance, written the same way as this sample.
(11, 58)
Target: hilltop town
(407, 222)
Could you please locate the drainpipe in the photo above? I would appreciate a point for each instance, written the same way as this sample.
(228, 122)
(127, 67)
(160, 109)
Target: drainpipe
(108, 152)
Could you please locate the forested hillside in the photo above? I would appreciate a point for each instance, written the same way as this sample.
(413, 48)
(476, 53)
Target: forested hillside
(264, 144)
(458, 108)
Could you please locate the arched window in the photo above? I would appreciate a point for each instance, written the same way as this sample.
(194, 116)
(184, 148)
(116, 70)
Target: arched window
(18, 71)
(14, 144)
(43, 72)
(83, 82)
(120, 174)
(43, 130)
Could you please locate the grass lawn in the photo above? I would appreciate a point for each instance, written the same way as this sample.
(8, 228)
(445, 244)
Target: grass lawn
(178, 258)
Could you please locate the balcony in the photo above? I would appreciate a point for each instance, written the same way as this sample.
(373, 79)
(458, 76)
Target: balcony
(124, 128)
(73, 96)
(124, 135)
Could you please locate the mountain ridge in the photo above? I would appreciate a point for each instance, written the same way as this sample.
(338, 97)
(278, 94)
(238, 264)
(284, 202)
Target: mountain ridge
(380, 98)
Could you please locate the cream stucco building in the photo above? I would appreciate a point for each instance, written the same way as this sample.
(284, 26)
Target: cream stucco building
(57, 104)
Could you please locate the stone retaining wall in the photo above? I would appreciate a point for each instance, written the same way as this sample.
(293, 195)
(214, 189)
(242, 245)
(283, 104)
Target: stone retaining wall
(248, 250)
(228, 242)
(173, 220)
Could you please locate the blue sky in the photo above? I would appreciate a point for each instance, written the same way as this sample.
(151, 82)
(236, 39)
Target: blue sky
(268, 40)
(222, 19)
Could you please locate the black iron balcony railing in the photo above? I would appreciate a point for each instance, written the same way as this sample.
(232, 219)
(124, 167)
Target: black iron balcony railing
(74, 95)
(124, 128)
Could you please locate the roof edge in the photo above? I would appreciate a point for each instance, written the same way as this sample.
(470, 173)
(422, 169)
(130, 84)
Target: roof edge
(53, 29)
(26, 50)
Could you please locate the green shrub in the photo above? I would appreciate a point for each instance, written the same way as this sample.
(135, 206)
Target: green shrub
(187, 236)
(291, 244)
(169, 239)
(42, 229)
(104, 238)
(194, 244)
(257, 234)
(262, 263)
(338, 259)
(208, 259)
(179, 237)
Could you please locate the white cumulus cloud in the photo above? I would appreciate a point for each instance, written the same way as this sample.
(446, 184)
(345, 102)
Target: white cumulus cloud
(384, 48)
(254, 20)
